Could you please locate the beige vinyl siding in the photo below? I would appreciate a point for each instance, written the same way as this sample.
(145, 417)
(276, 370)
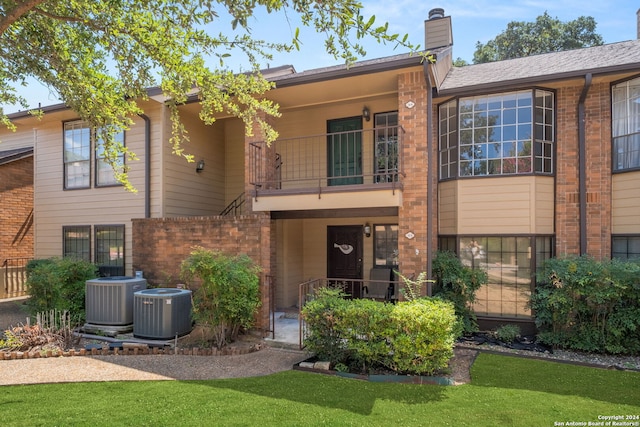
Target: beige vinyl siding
(21, 138)
(625, 203)
(56, 207)
(545, 205)
(157, 114)
(234, 159)
(289, 268)
(503, 205)
(188, 193)
(448, 207)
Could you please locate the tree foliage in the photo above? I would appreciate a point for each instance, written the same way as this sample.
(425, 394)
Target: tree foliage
(100, 56)
(545, 35)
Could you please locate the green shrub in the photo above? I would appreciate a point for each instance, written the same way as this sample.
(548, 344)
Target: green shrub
(226, 292)
(58, 284)
(412, 337)
(423, 335)
(322, 315)
(508, 333)
(589, 305)
(458, 283)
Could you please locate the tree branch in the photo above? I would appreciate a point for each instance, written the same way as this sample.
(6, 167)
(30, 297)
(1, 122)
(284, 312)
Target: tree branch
(17, 12)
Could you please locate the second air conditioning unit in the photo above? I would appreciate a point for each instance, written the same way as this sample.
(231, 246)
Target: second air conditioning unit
(162, 313)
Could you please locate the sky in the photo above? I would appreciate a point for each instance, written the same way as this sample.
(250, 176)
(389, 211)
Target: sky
(472, 20)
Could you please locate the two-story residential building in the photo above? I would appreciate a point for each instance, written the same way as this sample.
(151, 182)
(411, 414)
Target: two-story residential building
(377, 166)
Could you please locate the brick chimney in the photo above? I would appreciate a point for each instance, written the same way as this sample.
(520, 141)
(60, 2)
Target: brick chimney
(437, 30)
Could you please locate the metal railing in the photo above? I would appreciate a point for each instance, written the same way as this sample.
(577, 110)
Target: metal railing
(13, 277)
(235, 207)
(362, 157)
(379, 290)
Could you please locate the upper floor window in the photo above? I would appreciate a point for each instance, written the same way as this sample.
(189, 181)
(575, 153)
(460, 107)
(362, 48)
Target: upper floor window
(79, 141)
(501, 134)
(386, 147)
(104, 171)
(626, 125)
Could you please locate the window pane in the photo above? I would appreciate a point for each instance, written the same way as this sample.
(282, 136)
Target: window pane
(386, 147)
(110, 250)
(76, 242)
(501, 119)
(386, 245)
(508, 263)
(77, 146)
(104, 171)
(625, 247)
(626, 124)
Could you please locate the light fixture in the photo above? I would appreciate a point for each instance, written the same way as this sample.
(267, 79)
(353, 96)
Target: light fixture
(367, 230)
(366, 113)
(200, 166)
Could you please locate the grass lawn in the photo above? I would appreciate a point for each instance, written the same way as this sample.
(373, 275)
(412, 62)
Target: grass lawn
(505, 391)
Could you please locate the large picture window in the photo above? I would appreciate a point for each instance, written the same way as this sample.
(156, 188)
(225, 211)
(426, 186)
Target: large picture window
(501, 134)
(626, 125)
(511, 266)
(79, 141)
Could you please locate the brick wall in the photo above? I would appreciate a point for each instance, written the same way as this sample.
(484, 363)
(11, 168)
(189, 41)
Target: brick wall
(160, 245)
(598, 170)
(412, 215)
(16, 209)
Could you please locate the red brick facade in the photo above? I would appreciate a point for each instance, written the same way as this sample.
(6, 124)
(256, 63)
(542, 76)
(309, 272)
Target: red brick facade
(160, 245)
(412, 215)
(16, 209)
(598, 171)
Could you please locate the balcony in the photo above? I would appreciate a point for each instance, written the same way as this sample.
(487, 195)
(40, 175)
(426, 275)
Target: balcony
(361, 168)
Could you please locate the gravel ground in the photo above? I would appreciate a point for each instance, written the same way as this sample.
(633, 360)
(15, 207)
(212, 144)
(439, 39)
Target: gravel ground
(598, 360)
(147, 367)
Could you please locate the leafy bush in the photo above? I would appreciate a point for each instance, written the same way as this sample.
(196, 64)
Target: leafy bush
(423, 335)
(508, 333)
(458, 283)
(226, 292)
(589, 305)
(412, 337)
(58, 284)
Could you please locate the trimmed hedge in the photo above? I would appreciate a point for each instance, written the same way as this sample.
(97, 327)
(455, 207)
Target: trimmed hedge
(410, 337)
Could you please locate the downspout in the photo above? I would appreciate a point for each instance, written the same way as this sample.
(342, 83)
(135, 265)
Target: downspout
(582, 164)
(147, 165)
(429, 175)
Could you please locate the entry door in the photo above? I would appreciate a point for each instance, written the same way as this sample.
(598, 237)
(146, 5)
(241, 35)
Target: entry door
(344, 151)
(344, 256)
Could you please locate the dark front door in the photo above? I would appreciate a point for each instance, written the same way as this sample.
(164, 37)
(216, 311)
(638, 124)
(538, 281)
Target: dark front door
(344, 151)
(344, 257)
